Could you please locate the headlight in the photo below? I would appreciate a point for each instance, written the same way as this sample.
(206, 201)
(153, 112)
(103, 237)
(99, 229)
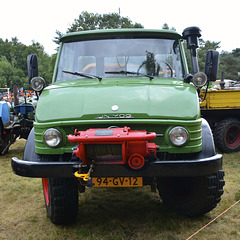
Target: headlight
(199, 79)
(52, 137)
(37, 84)
(178, 136)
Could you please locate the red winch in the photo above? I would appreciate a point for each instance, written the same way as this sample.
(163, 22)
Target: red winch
(114, 146)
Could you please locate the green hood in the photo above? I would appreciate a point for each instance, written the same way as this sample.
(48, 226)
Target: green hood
(159, 99)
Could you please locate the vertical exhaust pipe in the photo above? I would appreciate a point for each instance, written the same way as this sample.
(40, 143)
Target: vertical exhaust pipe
(191, 35)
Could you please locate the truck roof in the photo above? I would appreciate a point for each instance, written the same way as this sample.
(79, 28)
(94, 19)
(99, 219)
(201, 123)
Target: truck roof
(113, 33)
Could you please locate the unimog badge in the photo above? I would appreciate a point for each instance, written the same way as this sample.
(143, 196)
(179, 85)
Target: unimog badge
(117, 116)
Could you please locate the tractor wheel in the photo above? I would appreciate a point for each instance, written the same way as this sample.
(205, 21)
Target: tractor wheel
(227, 135)
(191, 196)
(4, 141)
(61, 199)
(1, 141)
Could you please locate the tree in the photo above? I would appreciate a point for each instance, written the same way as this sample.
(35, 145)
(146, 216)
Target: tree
(58, 37)
(9, 74)
(236, 52)
(166, 27)
(13, 62)
(230, 64)
(204, 46)
(91, 21)
(5, 71)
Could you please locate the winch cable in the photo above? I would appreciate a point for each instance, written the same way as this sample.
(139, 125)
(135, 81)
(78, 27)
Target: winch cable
(98, 150)
(213, 220)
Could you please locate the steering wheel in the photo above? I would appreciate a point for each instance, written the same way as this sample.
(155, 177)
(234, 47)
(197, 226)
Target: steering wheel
(157, 65)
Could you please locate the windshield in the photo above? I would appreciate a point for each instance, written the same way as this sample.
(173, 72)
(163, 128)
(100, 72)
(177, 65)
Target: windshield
(120, 58)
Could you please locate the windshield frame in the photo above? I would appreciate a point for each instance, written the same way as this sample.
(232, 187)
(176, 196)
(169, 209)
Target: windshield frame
(181, 60)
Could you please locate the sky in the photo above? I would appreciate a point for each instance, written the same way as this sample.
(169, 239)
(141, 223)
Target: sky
(30, 20)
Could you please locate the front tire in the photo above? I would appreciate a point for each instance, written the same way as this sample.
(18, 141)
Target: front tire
(61, 199)
(60, 194)
(191, 196)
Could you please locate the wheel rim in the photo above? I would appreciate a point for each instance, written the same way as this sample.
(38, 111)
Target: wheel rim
(45, 190)
(233, 136)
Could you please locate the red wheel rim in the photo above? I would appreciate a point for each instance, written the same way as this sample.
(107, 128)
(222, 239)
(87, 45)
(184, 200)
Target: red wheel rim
(233, 136)
(45, 190)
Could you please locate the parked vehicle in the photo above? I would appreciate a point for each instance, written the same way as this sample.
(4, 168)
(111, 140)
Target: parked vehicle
(221, 108)
(15, 122)
(123, 111)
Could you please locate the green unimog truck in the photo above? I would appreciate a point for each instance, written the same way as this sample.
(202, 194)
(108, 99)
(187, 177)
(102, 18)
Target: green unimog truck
(123, 111)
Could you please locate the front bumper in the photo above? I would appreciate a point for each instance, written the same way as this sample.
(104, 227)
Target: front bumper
(181, 168)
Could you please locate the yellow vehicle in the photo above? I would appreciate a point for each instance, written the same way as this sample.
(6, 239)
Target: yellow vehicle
(221, 108)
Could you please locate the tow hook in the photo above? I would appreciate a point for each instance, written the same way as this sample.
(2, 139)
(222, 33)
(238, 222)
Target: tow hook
(85, 177)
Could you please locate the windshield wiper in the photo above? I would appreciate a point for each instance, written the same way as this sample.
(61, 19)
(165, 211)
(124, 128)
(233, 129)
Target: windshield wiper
(83, 75)
(129, 72)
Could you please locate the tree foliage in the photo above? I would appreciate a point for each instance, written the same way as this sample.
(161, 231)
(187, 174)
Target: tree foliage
(90, 21)
(166, 27)
(204, 46)
(230, 64)
(13, 63)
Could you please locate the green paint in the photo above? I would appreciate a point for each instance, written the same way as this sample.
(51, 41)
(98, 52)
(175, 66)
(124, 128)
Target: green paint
(153, 105)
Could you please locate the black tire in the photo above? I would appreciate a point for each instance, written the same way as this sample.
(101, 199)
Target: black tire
(191, 196)
(60, 195)
(227, 135)
(61, 199)
(1, 140)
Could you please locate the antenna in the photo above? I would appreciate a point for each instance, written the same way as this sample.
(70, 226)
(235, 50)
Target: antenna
(120, 20)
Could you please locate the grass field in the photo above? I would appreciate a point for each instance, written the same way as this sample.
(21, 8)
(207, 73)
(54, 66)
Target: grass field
(111, 213)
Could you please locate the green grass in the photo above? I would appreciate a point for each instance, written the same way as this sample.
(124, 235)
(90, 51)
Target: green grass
(111, 214)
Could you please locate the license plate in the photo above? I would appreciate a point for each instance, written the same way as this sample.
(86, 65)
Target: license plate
(117, 181)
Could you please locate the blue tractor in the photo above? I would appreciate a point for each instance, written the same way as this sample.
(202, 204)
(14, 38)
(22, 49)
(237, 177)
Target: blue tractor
(14, 123)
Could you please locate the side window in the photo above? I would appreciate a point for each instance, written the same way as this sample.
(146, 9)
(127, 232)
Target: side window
(66, 62)
(177, 60)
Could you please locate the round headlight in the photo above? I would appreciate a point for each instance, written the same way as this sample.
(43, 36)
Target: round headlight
(37, 84)
(52, 137)
(178, 136)
(199, 79)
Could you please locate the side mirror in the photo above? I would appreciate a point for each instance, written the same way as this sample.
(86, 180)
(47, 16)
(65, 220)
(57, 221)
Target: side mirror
(211, 65)
(32, 66)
